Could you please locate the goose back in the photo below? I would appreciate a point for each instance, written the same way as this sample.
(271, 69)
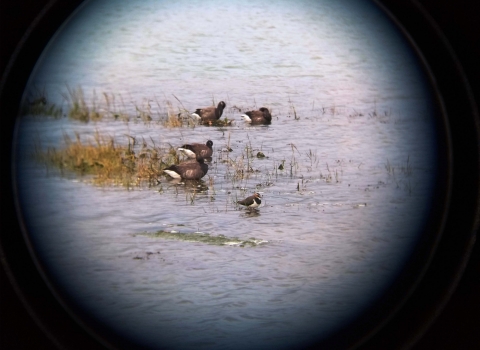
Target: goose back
(203, 150)
(188, 170)
(209, 113)
(262, 116)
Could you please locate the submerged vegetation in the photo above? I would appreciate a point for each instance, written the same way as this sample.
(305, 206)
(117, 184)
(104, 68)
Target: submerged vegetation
(206, 238)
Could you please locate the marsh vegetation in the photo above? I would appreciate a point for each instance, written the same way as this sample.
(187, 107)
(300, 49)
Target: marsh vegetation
(76, 105)
(107, 161)
(206, 238)
(237, 167)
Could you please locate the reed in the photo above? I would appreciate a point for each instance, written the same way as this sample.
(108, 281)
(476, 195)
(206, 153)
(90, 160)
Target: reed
(190, 197)
(294, 165)
(79, 109)
(332, 110)
(241, 168)
(172, 119)
(312, 156)
(211, 187)
(406, 168)
(328, 176)
(293, 111)
(144, 113)
(401, 174)
(378, 115)
(113, 109)
(389, 168)
(408, 187)
(175, 118)
(332, 174)
(38, 105)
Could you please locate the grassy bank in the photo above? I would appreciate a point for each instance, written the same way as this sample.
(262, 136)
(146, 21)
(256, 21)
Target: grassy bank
(107, 162)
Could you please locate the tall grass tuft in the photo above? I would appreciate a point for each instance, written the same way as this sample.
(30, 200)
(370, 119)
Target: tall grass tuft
(38, 105)
(401, 174)
(79, 109)
(112, 108)
(176, 118)
(173, 119)
(107, 162)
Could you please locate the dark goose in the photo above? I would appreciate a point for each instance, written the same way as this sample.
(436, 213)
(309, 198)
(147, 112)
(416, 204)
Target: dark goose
(209, 114)
(191, 149)
(188, 170)
(262, 116)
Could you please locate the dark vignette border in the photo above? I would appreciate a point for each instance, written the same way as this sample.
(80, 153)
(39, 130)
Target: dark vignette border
(42, 304)
(433, 291)
(402, 329)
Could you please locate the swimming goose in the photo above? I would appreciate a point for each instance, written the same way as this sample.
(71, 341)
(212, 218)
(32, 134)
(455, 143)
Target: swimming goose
(188, 170)
(252, 201)
(262, 116)
(209, 114)
(192, 149)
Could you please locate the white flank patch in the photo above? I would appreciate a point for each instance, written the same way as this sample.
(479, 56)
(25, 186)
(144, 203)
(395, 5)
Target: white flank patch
(173, 174)
(187, 152)
(246, 118)
(254, 205)
(196, 116)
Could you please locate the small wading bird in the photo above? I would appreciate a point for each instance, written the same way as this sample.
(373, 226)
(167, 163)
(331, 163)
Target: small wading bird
(192, 149)
(262, 116)
(252, 201)
(188, 170)
(209, 114)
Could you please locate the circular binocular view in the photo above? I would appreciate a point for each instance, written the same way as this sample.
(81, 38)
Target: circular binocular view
(226, 174)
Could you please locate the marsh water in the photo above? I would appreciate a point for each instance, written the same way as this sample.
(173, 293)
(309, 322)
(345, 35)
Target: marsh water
(352, 129)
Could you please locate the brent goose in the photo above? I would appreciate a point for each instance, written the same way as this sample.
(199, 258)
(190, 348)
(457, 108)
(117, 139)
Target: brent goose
(188, 170)
(192, 149)
(252, 201)
(209, 114)
(261, 116)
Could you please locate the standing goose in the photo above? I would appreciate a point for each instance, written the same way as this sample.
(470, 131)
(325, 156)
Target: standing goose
(252, 201)
(192, 149)
(209, 114)
(262, 116)
(188, 170)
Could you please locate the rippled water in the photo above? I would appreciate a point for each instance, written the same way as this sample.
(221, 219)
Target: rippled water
(337, 222)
